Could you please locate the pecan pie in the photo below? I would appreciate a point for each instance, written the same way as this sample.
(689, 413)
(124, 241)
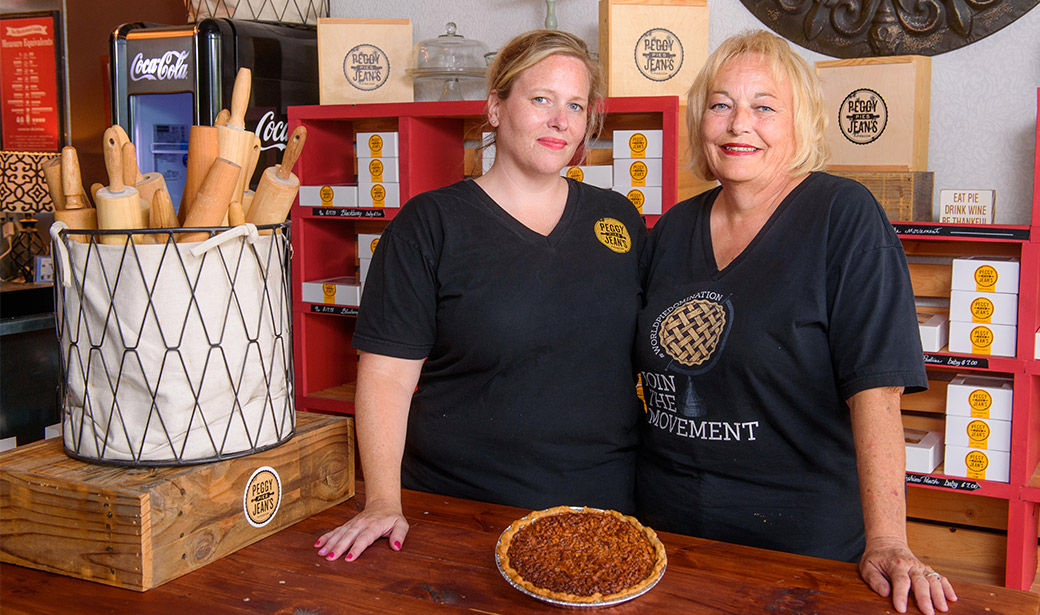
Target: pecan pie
(581, 555)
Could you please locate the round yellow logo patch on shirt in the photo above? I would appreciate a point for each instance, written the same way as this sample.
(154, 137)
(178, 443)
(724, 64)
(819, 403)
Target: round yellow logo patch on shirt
(613, 234)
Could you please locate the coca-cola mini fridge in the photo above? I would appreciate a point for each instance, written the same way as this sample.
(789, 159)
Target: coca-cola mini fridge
(167, 78)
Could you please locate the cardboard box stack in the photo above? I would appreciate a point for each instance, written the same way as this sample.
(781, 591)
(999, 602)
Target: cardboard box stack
(978, 427)
(984, 305)
(378, 184)
(637, 168)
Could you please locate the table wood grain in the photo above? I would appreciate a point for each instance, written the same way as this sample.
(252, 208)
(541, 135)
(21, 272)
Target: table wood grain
(448, 565)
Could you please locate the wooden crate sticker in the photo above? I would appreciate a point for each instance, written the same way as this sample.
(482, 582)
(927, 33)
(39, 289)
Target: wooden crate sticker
(364, 60)
(652, 47)
(877, 112)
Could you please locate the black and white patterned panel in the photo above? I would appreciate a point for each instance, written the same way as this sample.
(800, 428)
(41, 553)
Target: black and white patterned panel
(22, 188)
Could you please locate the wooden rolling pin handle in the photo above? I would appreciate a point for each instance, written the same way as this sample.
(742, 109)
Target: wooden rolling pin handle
(51, 169)
(292, 152)
(240, 98)
(222, 118)
(71, 181)
(114, 161)
(131, 174)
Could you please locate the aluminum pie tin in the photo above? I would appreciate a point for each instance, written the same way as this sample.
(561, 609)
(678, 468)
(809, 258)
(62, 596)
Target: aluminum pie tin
(566, 603)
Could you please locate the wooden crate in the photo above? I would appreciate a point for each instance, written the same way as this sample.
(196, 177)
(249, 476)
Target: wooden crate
(364, 60)
(877, 112)
(652, 47)
(138, 528)
(905, 196)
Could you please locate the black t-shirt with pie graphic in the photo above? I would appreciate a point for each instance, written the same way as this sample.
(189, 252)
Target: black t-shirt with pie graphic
(747, 435)
(527, 396)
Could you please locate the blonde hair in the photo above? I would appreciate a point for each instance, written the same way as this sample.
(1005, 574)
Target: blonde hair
(530, 48)
(810, 118)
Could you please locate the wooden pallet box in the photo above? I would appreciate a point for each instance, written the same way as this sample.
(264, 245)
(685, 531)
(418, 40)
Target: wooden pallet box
(905, 196)
(139, 528)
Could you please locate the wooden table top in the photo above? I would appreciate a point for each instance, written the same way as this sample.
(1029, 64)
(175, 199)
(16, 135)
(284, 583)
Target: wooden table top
(448, 565)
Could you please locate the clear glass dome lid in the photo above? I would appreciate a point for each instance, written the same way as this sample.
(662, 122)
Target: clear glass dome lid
(449, 54)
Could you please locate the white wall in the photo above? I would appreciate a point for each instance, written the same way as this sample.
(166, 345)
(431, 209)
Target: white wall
(984, 96)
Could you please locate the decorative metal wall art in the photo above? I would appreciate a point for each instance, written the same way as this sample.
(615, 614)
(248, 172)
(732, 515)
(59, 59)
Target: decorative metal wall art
(869, 28)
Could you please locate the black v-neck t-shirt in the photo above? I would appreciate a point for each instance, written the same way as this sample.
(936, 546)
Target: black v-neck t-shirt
(747, 436)
(527, 395)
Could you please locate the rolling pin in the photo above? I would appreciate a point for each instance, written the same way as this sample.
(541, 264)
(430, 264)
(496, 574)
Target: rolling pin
(121, 136)
(234, 142)
(80, 217)
(210, 205)
(278, 185)
(202, 151)
(71, 181)
(51, 169)
(161, 214)
(235, 214)
(222, 118)
(147, 184)
(119, 205)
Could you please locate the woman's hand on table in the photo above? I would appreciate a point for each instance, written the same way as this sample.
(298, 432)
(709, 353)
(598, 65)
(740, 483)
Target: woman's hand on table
(891, 569)
(378, 520)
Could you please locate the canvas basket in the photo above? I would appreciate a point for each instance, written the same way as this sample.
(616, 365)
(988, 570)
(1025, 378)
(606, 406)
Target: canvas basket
(173, 354)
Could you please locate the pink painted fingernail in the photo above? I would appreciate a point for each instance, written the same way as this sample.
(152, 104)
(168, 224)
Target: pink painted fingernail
(323, 551)
(350, 556)
(397, 544)
(331, 557)
(317, 544)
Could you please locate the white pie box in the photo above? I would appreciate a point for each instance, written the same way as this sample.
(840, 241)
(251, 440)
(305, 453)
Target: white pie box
(924, 450)
(343, 290)
(366, 244)
(975, 338)
(977, 464)
(328, 196)
(377, 170)
(988, 274)
(599, 175)
(646, 199)
(992, 308)
(934, 328)
(987, 434)
(987, 397)
(638, 143)
(376, 145)
(379, 194)
(637, 171)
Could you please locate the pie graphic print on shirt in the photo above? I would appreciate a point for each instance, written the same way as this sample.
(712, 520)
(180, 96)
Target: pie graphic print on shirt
(691, 333)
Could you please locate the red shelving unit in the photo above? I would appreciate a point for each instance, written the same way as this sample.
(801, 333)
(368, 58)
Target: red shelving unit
(1022, 491)
(435, 142)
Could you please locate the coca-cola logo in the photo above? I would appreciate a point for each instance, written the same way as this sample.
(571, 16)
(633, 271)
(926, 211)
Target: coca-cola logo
(272, 131)
(170, 65)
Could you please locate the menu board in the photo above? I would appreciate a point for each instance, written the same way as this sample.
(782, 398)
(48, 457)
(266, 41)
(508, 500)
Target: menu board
(29, 89)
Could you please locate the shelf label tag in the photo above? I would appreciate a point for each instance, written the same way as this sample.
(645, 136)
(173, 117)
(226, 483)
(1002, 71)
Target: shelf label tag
(346, 212)
(935, 481)
(339, 310)
(934, 359)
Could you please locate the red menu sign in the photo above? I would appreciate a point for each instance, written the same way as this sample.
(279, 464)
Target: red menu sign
(29, 84)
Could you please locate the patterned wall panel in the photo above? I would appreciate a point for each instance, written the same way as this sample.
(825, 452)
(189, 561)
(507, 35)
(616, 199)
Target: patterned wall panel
(23, 189)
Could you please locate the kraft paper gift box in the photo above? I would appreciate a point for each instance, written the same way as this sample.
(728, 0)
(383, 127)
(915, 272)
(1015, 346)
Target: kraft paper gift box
(364, 60)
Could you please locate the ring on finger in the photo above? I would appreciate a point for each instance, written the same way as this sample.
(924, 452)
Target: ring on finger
(935, 574)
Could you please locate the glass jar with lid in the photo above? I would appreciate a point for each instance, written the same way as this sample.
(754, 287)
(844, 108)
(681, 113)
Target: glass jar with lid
(449, 67)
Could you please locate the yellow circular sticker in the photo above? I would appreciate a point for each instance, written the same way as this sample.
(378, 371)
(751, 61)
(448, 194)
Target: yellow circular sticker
(262, 496)
(980, 400)
(378, 193)
(613, 234)
(978, 431)
(981, 309)
(328, 291)
(637, 144)
(637, 170)
(375, 145)
(637, 198)
(976, 461)
(576, 174)
(326, 195)
(986, 276)
(981, 337)
(375, 168)
(373, 245)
